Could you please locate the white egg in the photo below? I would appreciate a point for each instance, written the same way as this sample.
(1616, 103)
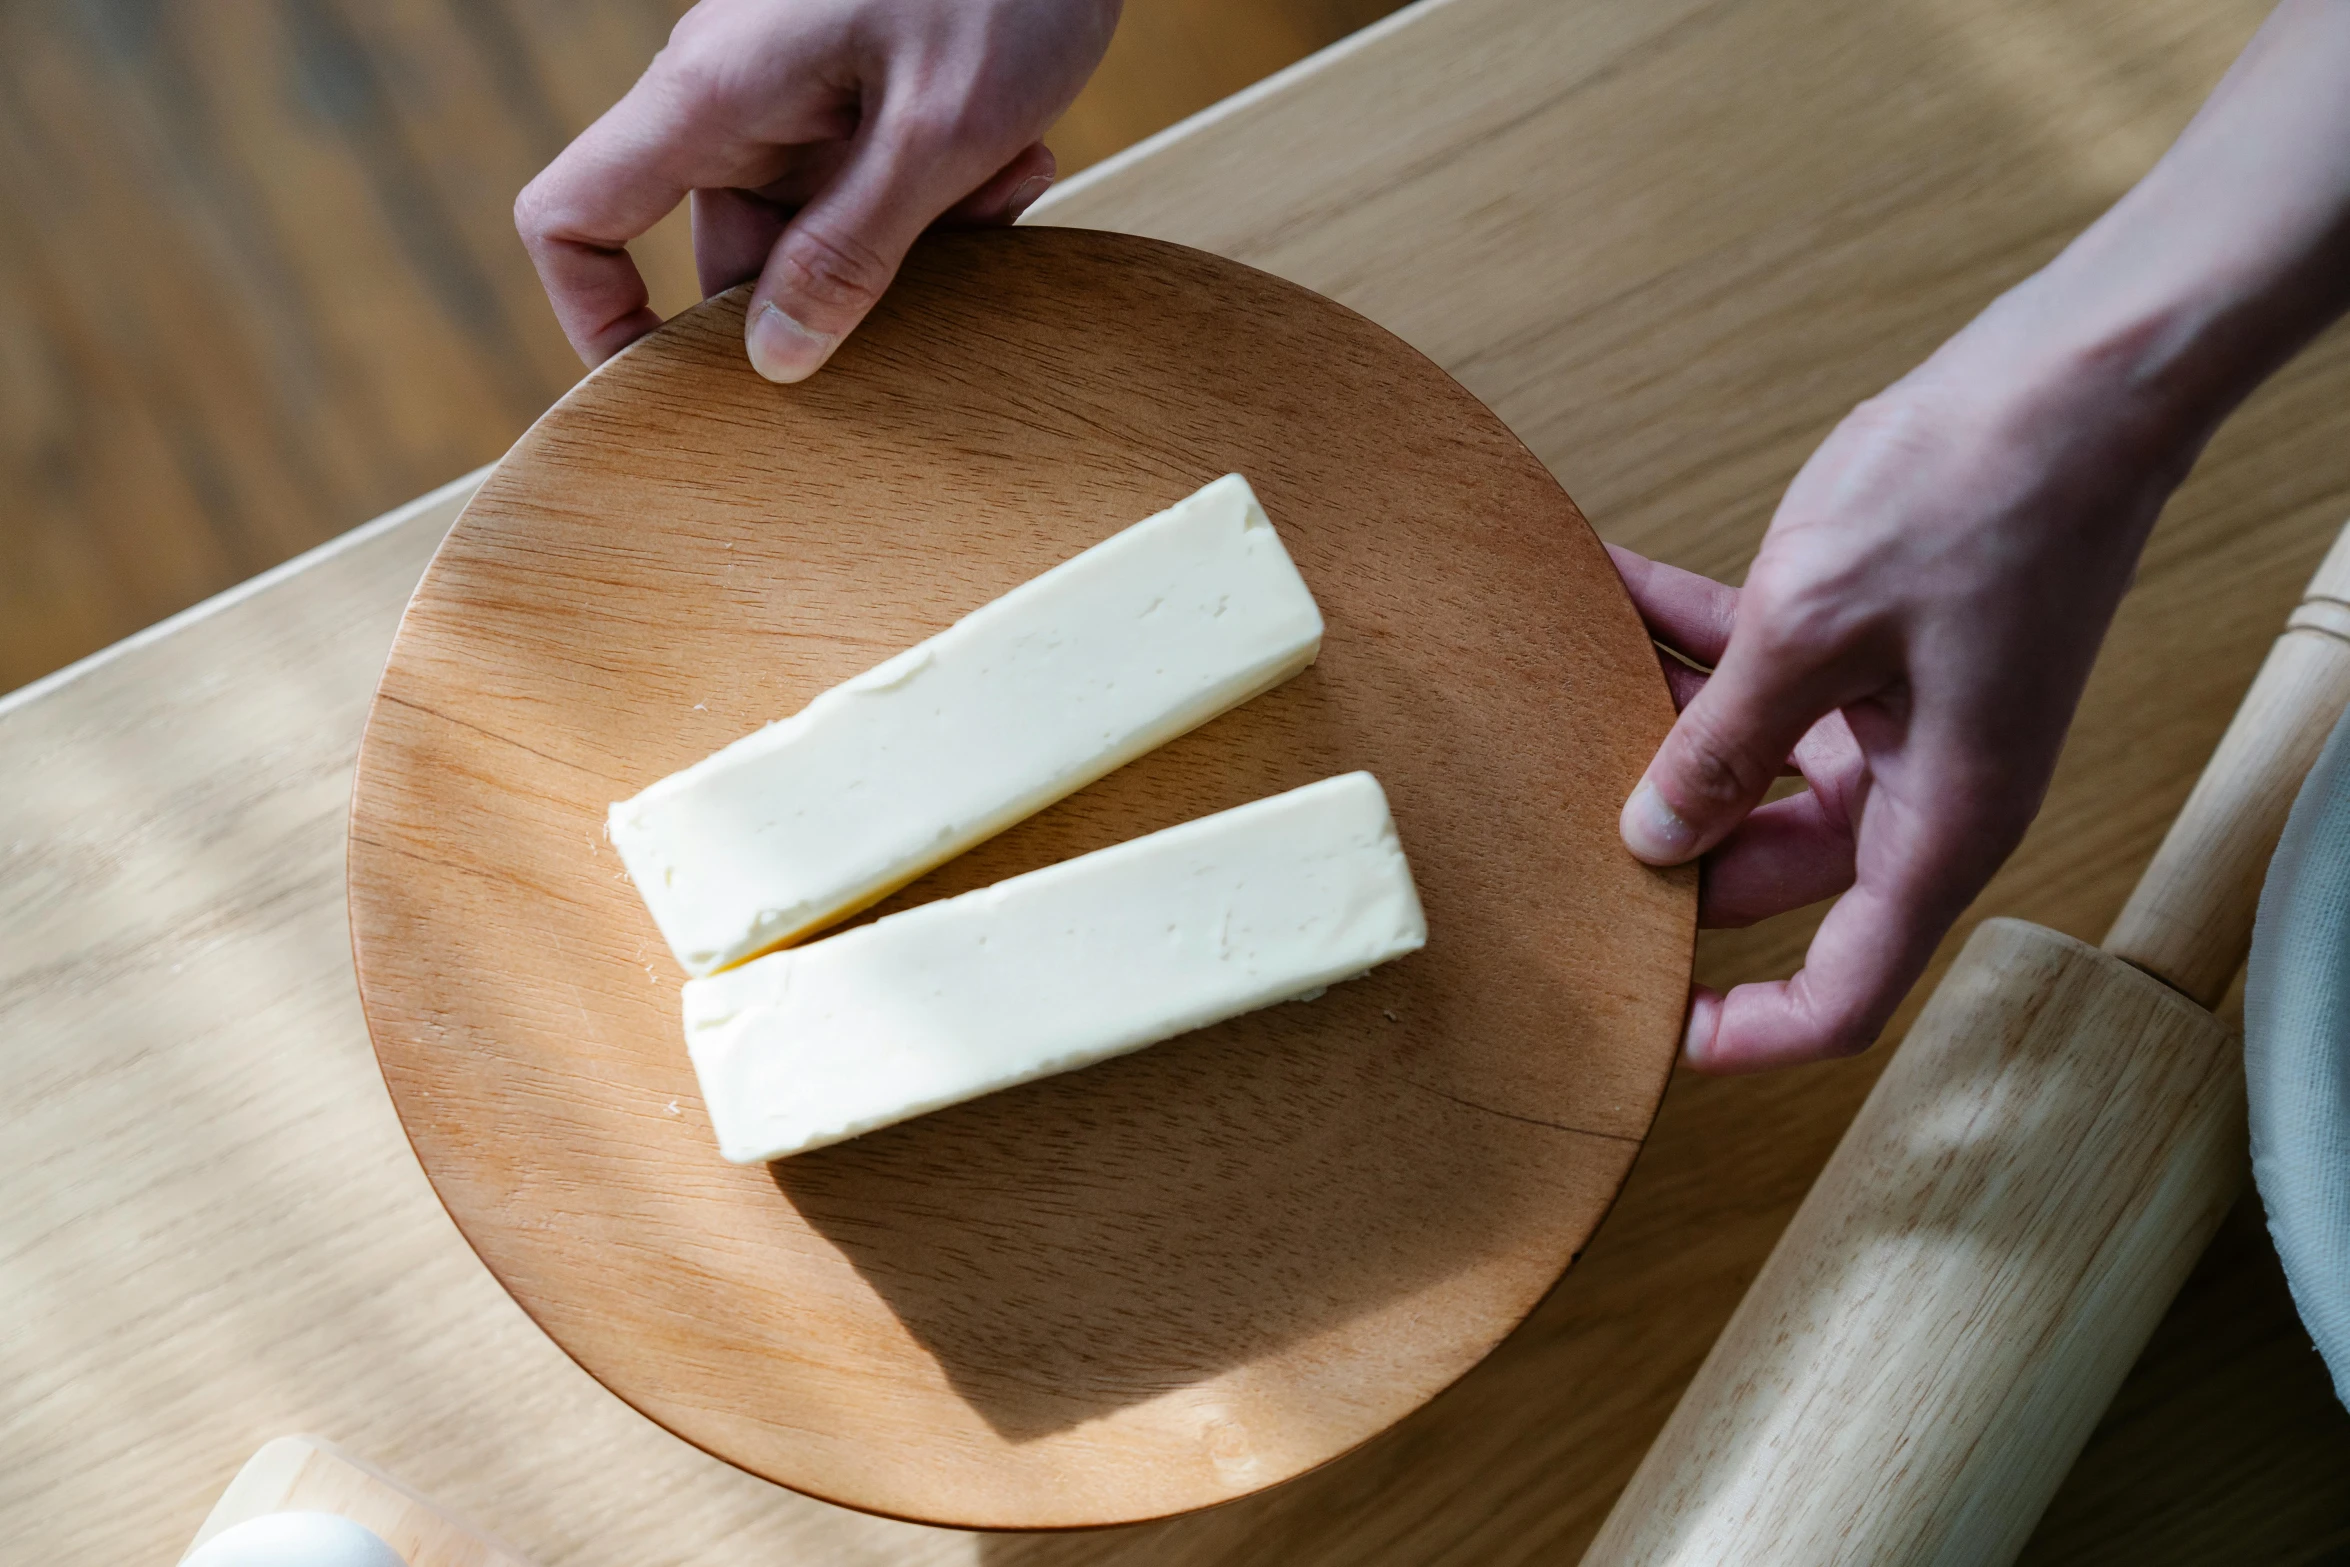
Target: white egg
(296, 1540)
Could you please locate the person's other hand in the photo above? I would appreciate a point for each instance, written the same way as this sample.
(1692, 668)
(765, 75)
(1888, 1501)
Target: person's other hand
(1915, 633)
(1912, 638)
(817, 139)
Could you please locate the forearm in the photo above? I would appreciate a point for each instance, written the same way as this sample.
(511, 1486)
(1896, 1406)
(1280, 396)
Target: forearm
(2226, 259)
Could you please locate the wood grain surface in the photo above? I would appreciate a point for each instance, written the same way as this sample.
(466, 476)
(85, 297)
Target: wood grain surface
(1669, 245)
(1940, 1327)
(300, 1474)
(348, 318)
(1164, 1281)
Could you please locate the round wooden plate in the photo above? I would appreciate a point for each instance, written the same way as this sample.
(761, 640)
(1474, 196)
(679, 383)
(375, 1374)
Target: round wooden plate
(1169, 1279)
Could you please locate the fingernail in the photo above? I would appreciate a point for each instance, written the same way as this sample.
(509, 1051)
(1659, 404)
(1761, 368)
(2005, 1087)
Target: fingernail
(782, 349)
(1025, 196)
(1697, 1035)
(1653, 830)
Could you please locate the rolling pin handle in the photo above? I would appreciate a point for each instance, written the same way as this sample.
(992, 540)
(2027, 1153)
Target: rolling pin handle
(2189, 923)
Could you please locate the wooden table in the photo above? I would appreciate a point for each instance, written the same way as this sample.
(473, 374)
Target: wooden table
(1670, 243)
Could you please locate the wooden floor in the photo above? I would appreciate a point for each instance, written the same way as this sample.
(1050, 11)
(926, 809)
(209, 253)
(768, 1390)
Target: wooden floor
(258, 281)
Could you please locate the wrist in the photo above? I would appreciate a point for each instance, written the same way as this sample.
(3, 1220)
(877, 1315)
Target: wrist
(2112, 346)
(2089, 385)
(2093, 385)
(2146, 332)
(2219, 265)
(2169, 347)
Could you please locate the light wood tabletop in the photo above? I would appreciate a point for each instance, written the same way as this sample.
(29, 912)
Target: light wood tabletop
(1670, 244)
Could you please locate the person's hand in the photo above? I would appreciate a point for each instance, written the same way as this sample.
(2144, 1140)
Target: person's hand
(1912, 638)
(817, 139)
(1917, 628)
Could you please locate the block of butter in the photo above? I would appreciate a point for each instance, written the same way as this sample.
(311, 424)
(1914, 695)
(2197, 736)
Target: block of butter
(1056, 969)
(1108, 655)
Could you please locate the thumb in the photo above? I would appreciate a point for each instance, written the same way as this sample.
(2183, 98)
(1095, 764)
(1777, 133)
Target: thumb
(840, 251)
(1728, 746)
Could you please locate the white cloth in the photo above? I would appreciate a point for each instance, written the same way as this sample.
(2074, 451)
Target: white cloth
(2297, 1053)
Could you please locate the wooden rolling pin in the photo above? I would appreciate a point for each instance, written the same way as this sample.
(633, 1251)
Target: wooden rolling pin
(2010, 1214)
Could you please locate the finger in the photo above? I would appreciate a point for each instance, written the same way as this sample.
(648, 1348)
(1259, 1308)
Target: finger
(842, 249)
(693, 121)
(1795, 851)
(735, 229)
(1012, 190)
(577, 218)
(1867, 953)
(1729, 745)
(1682, 681)
(1786, 854)
(1687, 612)
(600, 298)
(1705, 1011)
(1831, 761)
(733, 232)
(1914, 874)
